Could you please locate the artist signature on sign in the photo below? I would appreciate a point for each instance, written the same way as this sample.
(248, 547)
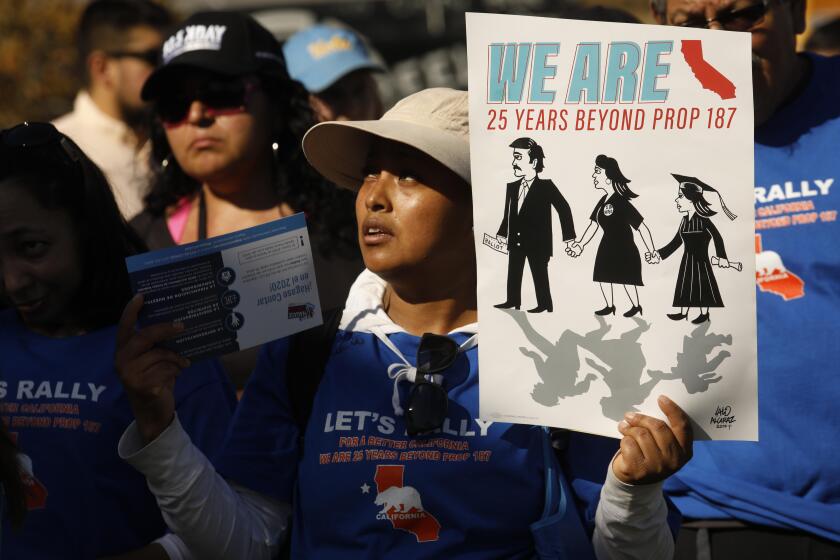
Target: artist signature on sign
(723, 417)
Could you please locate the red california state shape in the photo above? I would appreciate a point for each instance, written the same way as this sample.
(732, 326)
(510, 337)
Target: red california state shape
(708, 76)
(772, 276)
(403, 504)
(36, 493)
(785, 284)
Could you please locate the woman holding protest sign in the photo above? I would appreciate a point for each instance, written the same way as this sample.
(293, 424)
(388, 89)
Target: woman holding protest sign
(62, 248)
(393, 451)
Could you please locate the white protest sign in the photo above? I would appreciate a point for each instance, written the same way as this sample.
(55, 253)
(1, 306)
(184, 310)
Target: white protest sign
(614, 165)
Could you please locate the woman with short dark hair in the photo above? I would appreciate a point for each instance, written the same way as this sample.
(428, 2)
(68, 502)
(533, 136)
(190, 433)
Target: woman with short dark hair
(617, 260)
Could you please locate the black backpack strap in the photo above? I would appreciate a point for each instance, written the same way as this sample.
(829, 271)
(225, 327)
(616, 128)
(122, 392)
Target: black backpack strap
(308, 354)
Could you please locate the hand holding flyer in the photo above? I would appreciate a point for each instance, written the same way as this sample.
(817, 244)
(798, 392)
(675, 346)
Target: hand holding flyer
(230, 292)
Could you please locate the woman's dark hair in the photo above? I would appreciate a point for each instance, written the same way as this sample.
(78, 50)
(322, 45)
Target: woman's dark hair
(12, 485)
(614, 174)
(329, 210)
(60, 176)
(694, 193)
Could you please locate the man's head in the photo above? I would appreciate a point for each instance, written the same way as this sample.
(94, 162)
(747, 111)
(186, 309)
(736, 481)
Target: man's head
(774, 24)
(336, 68)
(118, 44)
(527, 158)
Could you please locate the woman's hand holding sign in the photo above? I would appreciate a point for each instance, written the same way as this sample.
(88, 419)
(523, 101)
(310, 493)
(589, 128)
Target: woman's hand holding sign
(147, 371)
(651, 450)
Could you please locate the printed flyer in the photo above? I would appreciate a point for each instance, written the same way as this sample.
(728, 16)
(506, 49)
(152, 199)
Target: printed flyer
(612, 173)
(233, 291)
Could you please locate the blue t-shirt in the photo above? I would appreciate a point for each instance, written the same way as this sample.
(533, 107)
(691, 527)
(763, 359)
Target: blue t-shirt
(362, 488)
(790, 478)
(63, 402)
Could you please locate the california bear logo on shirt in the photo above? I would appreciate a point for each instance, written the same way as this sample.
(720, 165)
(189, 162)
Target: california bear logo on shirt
(401, 499)
(36, 492)
(772, 276)
(402, 505)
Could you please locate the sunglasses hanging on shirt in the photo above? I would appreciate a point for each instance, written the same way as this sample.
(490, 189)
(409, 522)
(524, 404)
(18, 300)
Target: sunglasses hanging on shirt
(428, 402)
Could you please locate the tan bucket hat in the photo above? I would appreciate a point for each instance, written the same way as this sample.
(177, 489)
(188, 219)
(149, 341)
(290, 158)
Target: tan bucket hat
(434, 121)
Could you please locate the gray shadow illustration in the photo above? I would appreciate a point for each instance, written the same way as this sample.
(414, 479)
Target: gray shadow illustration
(694, 368)
(558, 370)
(625, 362)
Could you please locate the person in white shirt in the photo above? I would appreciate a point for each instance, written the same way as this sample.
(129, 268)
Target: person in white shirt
(118, 43)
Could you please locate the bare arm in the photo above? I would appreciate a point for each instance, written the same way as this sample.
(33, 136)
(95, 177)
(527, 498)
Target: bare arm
(647, 238)
(588, 234)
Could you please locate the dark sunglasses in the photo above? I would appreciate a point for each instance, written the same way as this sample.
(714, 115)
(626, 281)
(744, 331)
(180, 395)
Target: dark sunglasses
(218, 98)
(36, 144)
(149, 56)
(428, 401)
(742, 19)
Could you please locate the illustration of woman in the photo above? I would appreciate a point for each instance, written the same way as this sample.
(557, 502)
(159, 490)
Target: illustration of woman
(696, 284)
(617, 260)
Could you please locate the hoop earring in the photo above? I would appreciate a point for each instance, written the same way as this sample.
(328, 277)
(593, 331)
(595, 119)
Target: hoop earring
(167, 166)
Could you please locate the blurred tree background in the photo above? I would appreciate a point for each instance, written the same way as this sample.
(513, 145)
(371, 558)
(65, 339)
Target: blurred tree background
(38, 72)
(421, 41)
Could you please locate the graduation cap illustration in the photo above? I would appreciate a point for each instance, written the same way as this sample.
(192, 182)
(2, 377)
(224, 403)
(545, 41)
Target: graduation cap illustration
(705, 188)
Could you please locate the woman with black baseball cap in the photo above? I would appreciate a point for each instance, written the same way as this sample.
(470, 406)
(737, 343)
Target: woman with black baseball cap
(394, 460)
(226, 151)
(226, 147)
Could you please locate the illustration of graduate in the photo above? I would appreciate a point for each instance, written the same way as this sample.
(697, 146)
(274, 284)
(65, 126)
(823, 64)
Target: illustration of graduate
(696, 284)
(617, 260)
(526, 225)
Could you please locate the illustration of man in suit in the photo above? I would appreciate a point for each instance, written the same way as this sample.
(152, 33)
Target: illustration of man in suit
(526, 225)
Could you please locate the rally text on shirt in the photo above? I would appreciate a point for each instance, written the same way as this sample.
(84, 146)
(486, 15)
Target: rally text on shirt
(373, 448)
(784, 213)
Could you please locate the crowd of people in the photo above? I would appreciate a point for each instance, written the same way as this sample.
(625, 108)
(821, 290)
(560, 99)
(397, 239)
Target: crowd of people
(146, 456)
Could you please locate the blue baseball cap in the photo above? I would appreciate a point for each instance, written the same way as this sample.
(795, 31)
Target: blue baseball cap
(320, 55)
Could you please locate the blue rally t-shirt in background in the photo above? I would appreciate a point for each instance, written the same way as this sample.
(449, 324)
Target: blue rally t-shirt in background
(790, 478)
(63, 403)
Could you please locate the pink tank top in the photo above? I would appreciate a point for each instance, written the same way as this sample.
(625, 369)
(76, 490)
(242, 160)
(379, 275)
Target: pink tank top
(177, 221)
